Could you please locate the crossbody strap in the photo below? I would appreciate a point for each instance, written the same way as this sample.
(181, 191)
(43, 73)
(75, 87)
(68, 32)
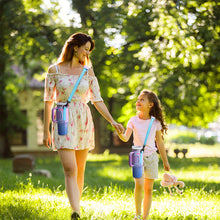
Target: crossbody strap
(148, 132)
(85, 68)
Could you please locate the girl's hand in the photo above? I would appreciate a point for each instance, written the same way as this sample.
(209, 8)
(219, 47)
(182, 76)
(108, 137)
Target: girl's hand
(47, 140)
(166, 166)
(118, 127)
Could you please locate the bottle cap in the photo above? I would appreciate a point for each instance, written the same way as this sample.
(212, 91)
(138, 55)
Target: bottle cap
(136, 147)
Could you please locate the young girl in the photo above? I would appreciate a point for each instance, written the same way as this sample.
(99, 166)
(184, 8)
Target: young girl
(147, 105)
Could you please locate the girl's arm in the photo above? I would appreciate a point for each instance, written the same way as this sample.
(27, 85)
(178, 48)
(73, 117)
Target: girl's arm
(47, 117)
(101, 107)
(126, 136)
(162, 150)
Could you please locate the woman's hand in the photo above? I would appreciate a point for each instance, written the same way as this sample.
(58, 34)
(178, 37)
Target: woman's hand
(118, 127)
(166, 166)
(101, 107)
(47, 140)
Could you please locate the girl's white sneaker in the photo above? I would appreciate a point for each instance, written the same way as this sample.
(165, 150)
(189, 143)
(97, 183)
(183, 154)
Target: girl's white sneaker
(137, 217)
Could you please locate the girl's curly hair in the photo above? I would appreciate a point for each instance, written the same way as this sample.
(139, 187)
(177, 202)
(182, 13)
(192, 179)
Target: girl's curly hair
(156, 109)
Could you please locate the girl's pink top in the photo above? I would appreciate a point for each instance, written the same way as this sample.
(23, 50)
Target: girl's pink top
(140, 127)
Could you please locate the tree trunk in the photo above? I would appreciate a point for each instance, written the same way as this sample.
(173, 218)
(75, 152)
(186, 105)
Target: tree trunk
(5, 150)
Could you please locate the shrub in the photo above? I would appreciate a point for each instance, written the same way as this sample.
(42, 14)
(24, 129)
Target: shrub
(185, 138)
(207, 140)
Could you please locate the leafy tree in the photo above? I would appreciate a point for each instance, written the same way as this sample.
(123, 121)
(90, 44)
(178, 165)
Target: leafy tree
(183, 60)
(29, 40)
(171, 47)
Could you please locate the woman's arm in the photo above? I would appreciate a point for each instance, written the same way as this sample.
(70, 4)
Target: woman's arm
(101, 107)
(162, 150)
(126, 136)
(47, 117)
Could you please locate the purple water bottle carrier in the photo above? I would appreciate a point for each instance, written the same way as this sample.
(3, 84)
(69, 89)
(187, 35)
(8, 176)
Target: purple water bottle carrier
(61, 117)
(60, 114)
(136, 156)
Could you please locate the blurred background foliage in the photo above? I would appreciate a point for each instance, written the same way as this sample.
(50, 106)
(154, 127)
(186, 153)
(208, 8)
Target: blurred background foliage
(170, 47)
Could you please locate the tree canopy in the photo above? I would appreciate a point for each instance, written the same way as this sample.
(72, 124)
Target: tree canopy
(170, 47)
(29, 40)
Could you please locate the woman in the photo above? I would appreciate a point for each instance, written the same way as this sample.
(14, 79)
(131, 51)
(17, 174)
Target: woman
(73, 147)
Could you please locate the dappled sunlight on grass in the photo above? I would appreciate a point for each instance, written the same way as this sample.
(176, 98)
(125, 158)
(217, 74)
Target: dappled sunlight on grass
(114, 204)
(207, 176)
(115, 174)
(199, 207)
(33, 206)
(106, 207)
(108, 192)
(104, 156)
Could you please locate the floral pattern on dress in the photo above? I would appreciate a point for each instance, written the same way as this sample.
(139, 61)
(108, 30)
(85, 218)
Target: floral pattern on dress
(80, 126)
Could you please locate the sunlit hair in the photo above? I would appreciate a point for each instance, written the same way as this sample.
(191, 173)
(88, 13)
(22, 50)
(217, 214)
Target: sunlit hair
(156, 109)
(77, 39)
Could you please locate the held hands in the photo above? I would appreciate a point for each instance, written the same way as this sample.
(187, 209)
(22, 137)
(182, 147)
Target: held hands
(118, 127)
(47, 140)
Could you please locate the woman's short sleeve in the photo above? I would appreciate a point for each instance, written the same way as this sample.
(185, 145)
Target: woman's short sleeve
(94, 90)
(50, 87)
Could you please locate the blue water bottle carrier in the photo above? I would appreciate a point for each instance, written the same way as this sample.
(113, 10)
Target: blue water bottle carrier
(60, 113)
(136, 156)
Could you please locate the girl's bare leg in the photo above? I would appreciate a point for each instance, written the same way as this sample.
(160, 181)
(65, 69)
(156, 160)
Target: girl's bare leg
(148, 193)
(138, 194)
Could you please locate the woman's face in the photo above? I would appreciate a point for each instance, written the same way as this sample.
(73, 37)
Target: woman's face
(83, 51)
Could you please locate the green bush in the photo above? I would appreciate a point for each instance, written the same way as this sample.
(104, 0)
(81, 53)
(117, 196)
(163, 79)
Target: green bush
(207, 140)
(185, 138)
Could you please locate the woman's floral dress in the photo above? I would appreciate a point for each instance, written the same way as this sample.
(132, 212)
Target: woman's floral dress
(58, 87)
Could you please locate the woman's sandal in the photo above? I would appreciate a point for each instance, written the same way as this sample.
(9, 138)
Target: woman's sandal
(75, 216)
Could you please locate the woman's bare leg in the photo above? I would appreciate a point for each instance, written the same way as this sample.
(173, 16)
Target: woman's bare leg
(81, 156)
(68, 160)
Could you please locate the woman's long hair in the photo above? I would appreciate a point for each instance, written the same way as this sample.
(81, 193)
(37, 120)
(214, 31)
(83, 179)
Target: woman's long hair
(77, 39)
(156, 109)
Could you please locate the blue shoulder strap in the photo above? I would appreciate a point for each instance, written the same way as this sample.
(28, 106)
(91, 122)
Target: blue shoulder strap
(85, 68)
(148, 132)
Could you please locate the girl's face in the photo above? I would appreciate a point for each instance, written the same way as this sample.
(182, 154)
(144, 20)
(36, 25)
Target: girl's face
(142, 103)
(83, 51)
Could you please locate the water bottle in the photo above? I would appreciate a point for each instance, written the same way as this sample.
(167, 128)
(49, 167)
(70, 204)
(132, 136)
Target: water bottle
(136, 161)
(62, 118)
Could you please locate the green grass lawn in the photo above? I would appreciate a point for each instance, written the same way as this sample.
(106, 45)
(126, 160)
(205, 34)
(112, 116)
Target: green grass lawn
(108, 192)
